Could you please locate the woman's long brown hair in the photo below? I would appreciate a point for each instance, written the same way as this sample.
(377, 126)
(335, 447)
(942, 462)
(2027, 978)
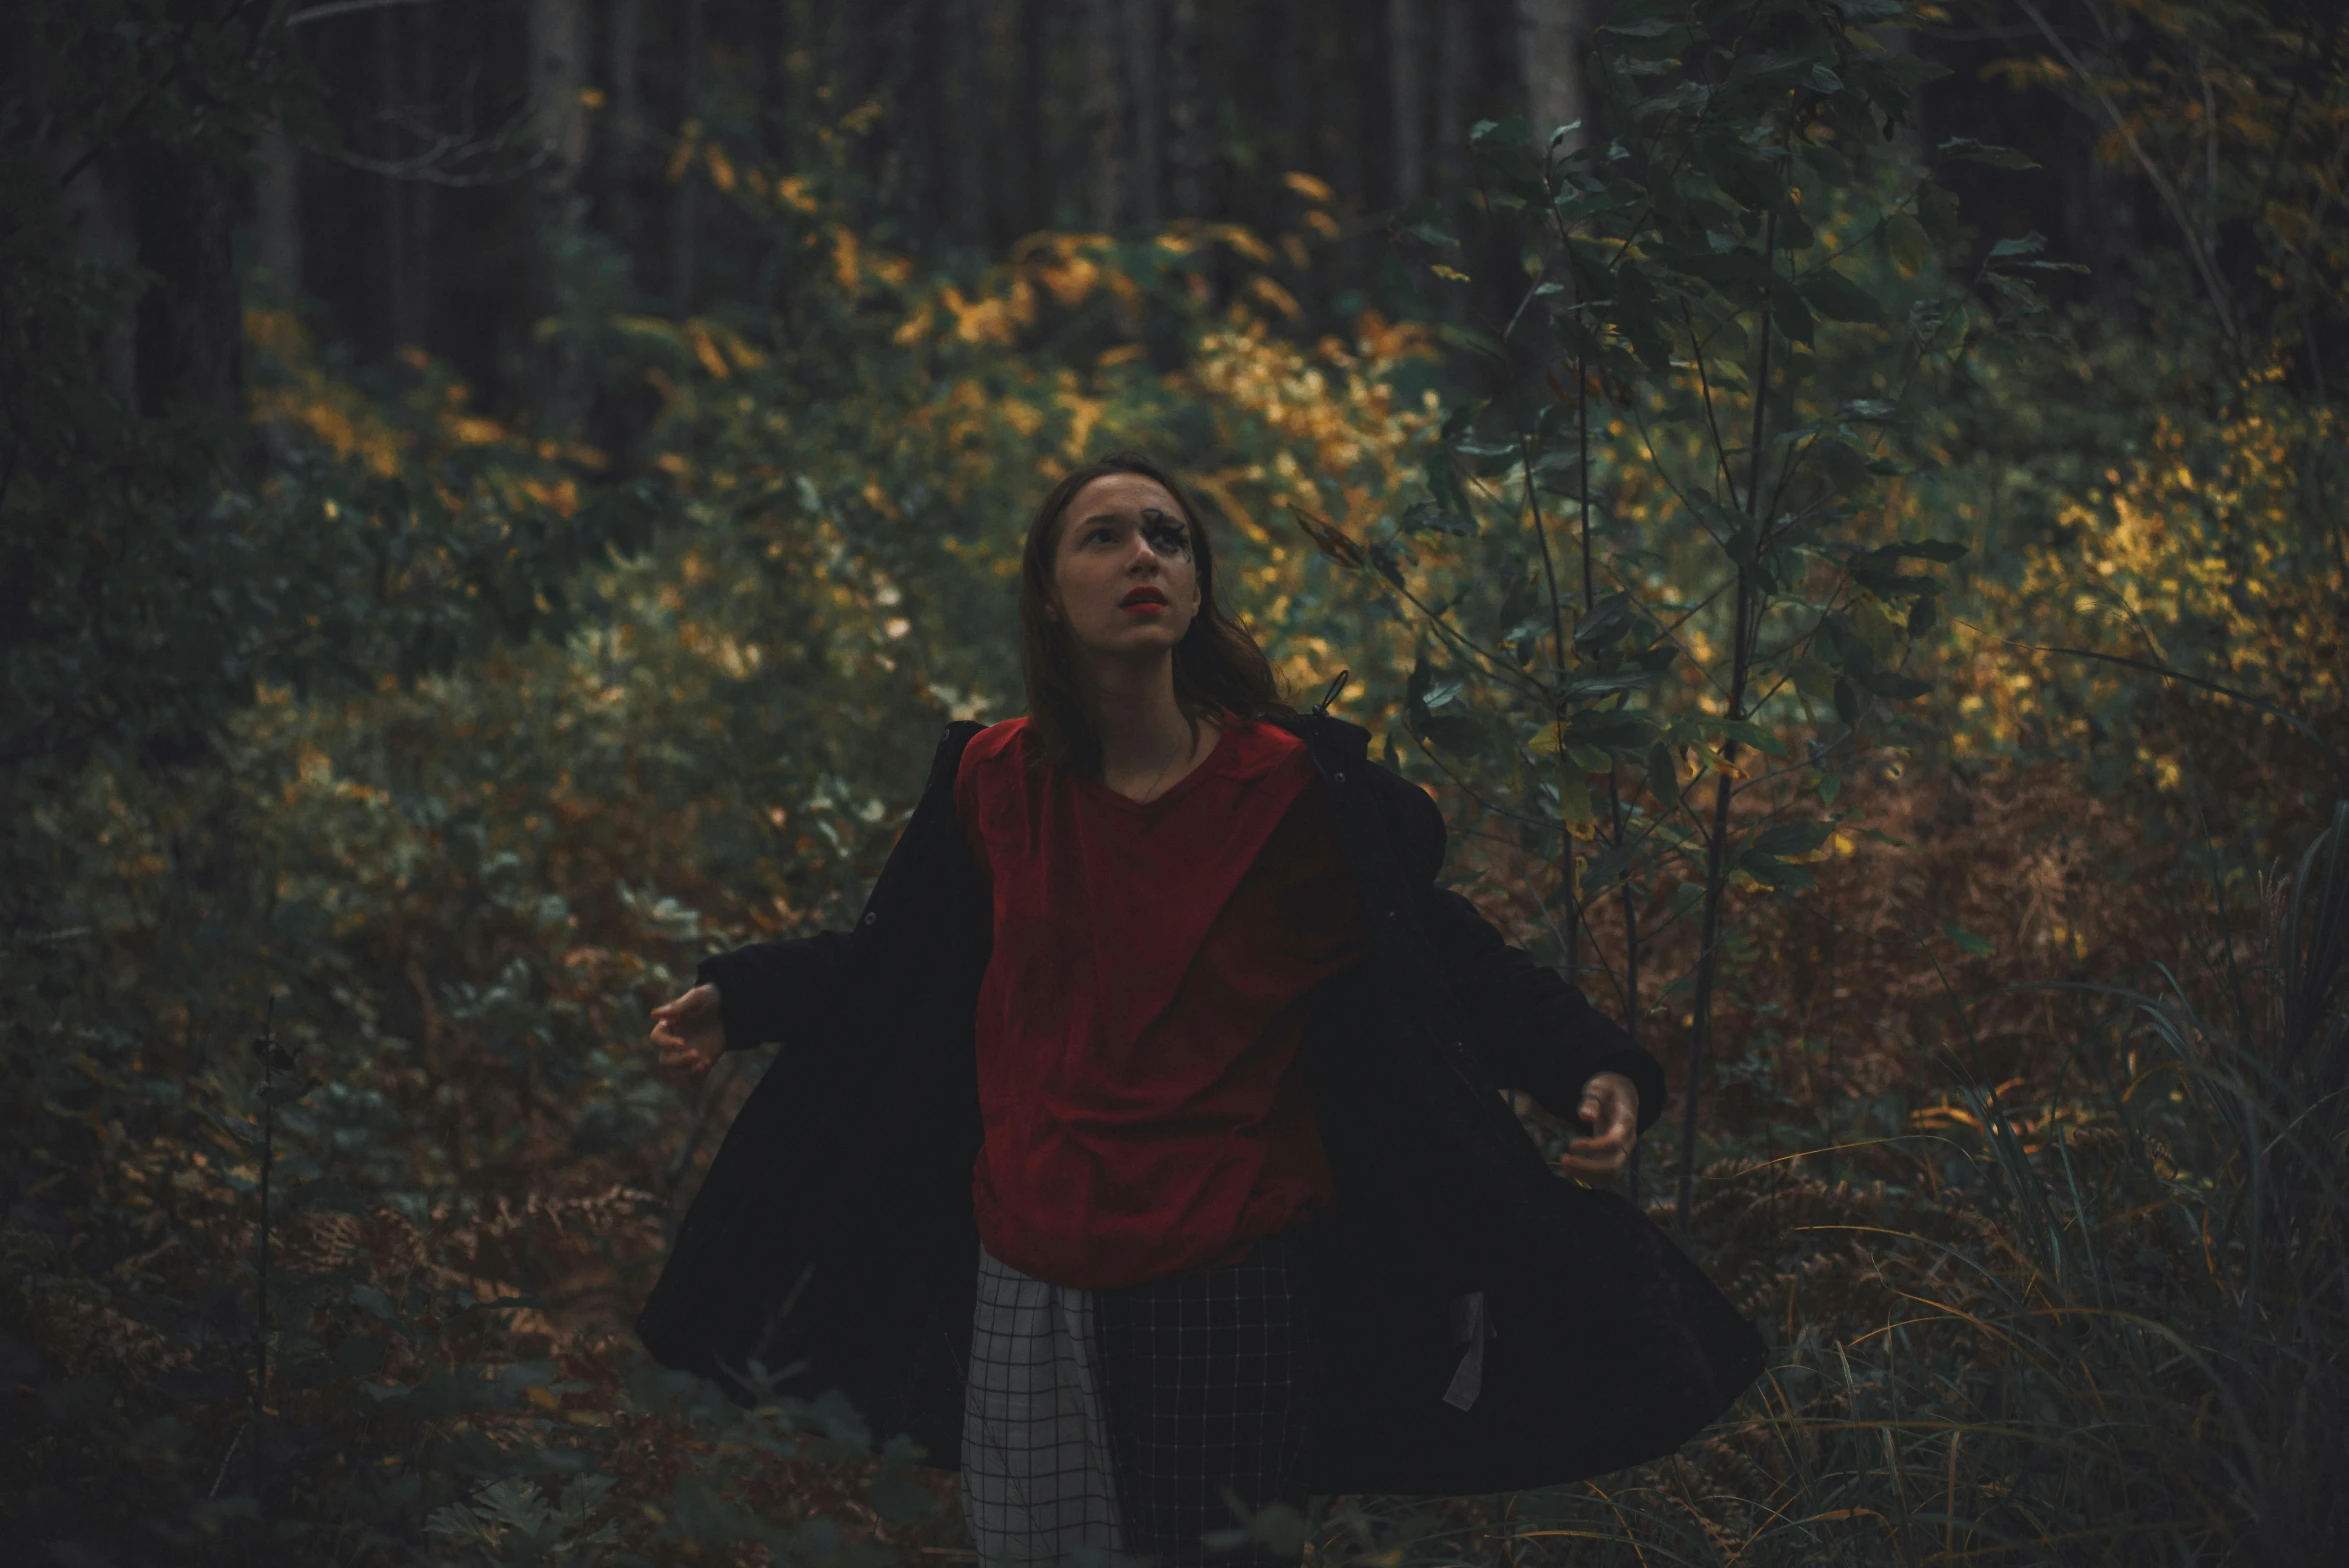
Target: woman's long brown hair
(1218, 669)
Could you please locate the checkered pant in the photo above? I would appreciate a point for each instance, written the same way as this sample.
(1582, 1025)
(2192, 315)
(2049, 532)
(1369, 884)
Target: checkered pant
(1125, 1422)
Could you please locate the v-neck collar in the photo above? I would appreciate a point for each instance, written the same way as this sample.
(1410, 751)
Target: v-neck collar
(1213, 762)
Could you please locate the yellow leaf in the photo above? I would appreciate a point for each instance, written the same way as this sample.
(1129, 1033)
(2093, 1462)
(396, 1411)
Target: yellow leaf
(707, 351)
(541, 1396)
(1308, 187)
(1450, 274)
(1905, 237)
(1574, 808)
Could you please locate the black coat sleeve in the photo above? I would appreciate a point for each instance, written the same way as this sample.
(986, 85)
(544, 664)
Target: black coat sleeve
(1533, 1030)
(777, 991)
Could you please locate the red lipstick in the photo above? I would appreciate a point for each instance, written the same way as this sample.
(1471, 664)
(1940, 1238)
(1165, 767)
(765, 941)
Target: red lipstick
(1143, 599)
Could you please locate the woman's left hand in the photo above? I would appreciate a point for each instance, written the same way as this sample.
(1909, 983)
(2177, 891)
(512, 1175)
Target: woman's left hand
(1610, 1103)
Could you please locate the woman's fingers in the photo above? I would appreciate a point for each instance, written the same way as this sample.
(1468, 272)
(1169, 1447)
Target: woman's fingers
(687, 1031)
(1596, 1156)
(1610, 1104)
(693, 1004)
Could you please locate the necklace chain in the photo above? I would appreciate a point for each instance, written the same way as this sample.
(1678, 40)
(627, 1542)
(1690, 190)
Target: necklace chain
(1150, 790)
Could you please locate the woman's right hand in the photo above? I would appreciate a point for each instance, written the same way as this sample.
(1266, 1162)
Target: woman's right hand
(690, 1032)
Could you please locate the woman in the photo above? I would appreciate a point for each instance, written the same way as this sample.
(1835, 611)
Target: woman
(1142, 1150)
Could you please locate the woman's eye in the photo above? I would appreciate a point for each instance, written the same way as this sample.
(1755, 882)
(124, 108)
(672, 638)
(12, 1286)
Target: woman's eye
(1166, 536)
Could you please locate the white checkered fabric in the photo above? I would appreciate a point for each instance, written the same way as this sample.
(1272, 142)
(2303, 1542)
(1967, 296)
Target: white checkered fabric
(1126, 1423)
(1036, 1479)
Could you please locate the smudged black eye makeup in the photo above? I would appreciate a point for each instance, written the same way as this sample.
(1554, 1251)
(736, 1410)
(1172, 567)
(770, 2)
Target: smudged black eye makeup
(1166, 533)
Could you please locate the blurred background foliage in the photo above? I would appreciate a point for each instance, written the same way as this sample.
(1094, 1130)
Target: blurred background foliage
(1841, 503)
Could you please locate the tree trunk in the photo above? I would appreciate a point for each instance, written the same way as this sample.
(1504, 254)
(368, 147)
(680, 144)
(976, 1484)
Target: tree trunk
(102, 199)
(965, 122)
(399, 325)
(1550, 56)
(1747, 614)
(1104, 114)
(1026, 177)
(1455, 79)
(423, 199)
(1193, 117)
(191, 330)
(558, 73)
(278, 212)
(682, 207)
(1404, 99)
(1145, 75)
(624, 130)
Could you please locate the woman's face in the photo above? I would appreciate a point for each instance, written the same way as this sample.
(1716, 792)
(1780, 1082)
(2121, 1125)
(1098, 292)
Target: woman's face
(1124, 578)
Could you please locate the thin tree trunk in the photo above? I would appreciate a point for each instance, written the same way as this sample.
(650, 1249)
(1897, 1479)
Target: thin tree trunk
(624, 131)
(1104, 114)
(1193, 115)
(191, 321)
(1590, 599)
(1405, 94)
(966, 123)
(683, 203)
(1455, 74)
(1717, 844)
(1145, 71)
(100, 200)
(1551, 59)
(1027, 163)
(558, 72)
(392, 194)
(1567, 876)
(278, 211)
(423, 199)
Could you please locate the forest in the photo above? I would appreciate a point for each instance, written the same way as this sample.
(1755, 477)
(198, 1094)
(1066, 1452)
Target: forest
(1838, 500)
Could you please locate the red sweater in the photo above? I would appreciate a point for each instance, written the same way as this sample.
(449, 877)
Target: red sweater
(1145, 1104)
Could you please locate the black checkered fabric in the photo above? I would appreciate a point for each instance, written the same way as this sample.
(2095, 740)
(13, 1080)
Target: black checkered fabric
(1208, 1381)
(1125, 1424)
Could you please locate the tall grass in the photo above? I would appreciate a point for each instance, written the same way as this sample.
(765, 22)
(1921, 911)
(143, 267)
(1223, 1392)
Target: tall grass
(2114, 1329)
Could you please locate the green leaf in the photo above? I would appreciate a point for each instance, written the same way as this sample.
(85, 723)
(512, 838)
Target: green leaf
(1892, 684)
(1904, 236)
(1937, 210)
(1747, 733)
(1584, 687)
(1978, 946)
(2030, 244)
(1605, 625)
(1789, 312)
(1663, 776)
(1837, 298)
(1451, 732)
(1472, 340)
(1619, 730)
(1972, 151)
(1847, 700)
(1744, 178)
(1786, 839)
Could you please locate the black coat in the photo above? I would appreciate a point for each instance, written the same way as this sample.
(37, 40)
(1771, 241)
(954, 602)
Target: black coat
(834, 1232)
